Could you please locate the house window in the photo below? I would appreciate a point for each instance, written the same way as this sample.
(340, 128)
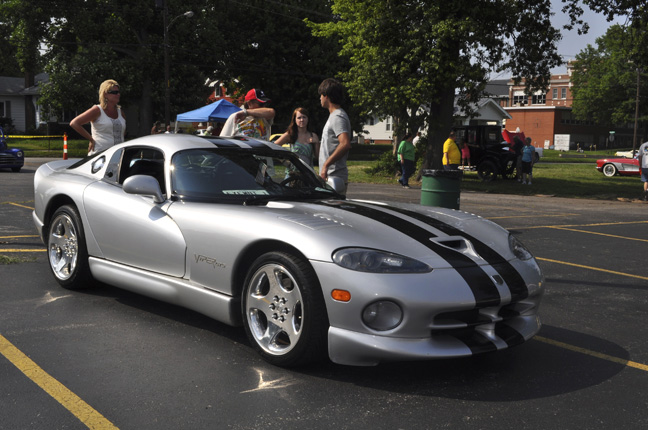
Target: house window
(555, 93)
(538, 99)
(563, 93)
(388, 124)
(5, 109)
(520, 100)
(371, 121)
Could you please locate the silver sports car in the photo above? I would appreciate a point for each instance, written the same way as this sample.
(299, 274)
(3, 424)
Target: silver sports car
(244, 232)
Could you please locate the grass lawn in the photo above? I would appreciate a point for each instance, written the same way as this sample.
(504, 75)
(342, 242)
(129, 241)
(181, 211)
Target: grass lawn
(561, 174)
(578, 180)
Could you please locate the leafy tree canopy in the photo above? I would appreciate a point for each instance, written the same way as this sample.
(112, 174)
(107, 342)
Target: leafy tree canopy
(421, 53)
(605, 82)
(242, 44)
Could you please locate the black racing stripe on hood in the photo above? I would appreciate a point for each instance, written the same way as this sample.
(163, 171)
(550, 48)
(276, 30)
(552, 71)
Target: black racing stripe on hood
(482, 286)
(505, 269)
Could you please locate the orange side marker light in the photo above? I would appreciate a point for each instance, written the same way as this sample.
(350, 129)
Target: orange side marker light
(341, 295)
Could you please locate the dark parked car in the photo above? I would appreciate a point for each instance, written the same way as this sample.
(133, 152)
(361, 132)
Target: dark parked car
(489, 153)
(10, 158)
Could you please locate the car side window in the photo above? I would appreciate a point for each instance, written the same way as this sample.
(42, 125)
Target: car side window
(142, 161)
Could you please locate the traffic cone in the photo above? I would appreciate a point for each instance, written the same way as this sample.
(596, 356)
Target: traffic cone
(65, 146)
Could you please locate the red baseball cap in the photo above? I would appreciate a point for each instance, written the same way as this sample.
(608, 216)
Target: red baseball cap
(256, 94)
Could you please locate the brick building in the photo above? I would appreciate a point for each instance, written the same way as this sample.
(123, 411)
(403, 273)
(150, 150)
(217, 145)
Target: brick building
(544, 115)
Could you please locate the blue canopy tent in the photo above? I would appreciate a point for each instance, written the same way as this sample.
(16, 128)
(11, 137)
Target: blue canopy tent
(217, 111)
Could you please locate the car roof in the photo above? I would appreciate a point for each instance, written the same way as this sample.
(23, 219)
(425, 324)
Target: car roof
(171, 142)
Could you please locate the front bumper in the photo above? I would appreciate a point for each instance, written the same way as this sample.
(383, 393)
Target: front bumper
(362, 349)
(441, 318)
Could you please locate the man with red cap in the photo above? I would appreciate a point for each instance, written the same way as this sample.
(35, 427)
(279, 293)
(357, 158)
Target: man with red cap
(253, 120)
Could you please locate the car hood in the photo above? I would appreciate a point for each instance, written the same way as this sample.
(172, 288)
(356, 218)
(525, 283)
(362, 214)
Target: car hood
(319, 228)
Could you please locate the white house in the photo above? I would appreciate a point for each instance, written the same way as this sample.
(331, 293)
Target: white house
(14, 96)
(487, 111)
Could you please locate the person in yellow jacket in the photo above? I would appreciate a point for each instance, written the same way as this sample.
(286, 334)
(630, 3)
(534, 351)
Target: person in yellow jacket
(451, 153)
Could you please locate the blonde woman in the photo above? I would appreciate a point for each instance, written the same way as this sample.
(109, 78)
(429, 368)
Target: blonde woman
(107, 121)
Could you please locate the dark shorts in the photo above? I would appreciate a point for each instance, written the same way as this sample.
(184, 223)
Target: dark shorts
(644, 175)
(527, 167)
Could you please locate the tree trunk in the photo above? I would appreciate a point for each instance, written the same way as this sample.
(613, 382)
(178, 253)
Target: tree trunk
(145, 109)
(30, 109)
(440, 122)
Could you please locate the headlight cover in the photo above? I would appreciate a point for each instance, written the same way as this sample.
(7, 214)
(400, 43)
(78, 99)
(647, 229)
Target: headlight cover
(519, 250)
(374, 261)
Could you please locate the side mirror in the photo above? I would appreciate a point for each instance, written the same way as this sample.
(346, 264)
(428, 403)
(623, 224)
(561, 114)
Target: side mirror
(144, 185)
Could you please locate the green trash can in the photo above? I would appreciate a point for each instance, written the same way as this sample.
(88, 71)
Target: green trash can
(441, 188)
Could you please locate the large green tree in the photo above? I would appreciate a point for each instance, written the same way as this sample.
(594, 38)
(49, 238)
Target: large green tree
(24, 25)
(607, 77)
(266, 44)
(408, 54)
(241, 43)
(605, 82)
(94, 40)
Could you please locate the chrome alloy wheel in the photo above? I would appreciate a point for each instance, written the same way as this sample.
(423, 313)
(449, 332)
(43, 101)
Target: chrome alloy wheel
(63, 247)
(274, 309)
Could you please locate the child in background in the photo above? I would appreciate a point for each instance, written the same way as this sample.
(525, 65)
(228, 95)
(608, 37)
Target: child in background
(528, 154)
(465, 155)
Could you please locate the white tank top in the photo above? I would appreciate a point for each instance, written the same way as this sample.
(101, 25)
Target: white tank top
(106, 131)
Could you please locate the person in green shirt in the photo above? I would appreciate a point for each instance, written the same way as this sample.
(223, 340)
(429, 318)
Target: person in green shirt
(406, 157)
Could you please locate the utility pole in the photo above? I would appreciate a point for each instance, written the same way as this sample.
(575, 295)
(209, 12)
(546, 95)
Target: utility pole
(634, 137)
(167, 78)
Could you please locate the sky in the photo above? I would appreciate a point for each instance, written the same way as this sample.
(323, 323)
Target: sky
(571, 43)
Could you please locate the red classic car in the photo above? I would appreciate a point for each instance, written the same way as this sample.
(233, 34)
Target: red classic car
(618, 166)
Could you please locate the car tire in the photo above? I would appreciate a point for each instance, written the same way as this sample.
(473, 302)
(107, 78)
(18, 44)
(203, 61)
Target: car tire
(609, 170)
(16, 169)
(508, 172)
(284, 313)
(66, 249)
(487, 171)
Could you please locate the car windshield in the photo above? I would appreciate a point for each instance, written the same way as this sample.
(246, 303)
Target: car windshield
(244, 176)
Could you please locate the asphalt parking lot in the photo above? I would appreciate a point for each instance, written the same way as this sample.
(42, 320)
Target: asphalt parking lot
(105, 358)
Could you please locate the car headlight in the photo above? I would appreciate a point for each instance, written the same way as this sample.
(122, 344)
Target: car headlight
(19, 154)
(374, 261)
(519, 250)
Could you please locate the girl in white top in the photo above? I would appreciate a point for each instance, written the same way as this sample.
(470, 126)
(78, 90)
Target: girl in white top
(107, 121)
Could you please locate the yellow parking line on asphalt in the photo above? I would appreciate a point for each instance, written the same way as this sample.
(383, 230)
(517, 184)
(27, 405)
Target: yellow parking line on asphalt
(600, 234)
(575, 225)
(15, 237)
(70, 401)
(534, 216)
(592, 268)
(21, 206)
(604, 223)
(593, 353)
(22, 250)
